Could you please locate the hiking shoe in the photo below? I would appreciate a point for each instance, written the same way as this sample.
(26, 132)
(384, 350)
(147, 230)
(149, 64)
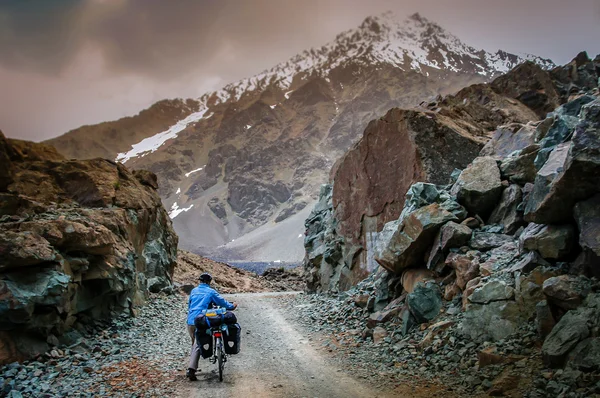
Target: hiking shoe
(191, 374)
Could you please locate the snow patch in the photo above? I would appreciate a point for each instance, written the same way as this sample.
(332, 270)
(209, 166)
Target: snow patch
(175, 210)
(178, 191)
(151, 144)
(193, 171)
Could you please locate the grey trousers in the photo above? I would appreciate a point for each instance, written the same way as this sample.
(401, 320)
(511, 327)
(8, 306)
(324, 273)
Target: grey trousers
(195, 353)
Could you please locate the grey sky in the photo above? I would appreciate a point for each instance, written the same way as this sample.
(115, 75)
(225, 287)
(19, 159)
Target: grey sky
(65, 63)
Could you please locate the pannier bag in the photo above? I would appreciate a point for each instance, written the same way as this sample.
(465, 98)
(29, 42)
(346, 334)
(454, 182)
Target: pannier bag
(205, 342)
(232, 339)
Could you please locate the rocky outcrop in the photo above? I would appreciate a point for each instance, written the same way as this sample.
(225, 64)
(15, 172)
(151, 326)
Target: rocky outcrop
(79, 240)
(433, 144)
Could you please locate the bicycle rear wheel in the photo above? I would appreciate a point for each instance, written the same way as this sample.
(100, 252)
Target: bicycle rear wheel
(220, 357)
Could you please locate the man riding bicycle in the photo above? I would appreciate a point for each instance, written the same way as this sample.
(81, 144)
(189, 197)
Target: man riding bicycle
(202, 298)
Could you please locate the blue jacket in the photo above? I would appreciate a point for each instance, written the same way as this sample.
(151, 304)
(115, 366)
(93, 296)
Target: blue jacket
(201, 298)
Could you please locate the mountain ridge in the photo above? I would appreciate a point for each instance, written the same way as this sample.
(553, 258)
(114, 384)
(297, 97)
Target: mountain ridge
(255, 153)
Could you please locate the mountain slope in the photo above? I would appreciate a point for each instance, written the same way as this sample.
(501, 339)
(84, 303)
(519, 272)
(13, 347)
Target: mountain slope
(253, 154)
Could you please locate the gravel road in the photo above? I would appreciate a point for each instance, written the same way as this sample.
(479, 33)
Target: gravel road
(276, 360)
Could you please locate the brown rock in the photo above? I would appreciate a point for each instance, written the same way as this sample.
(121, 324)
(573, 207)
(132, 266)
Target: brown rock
(465, 266)
(469, 289)
(147, 178)
(379, 334)
(507, 381)
(382, 317)
(361, 300)
(451, 291)
(411, 277)
(490, 356)
(479, 186)
(567, 291)
(23, 249)
(471, 222)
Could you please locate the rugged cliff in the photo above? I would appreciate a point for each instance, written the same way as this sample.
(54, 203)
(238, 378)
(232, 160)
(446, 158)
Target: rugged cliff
(79, 240)
(490, 277)
(426, 144)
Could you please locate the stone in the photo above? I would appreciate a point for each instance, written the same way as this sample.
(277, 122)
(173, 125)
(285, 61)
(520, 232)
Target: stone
(586, 355)
(479, 186)
(528, 262)
(506, 212)
(529, 288)
(362, 300)
(519, 167)
(379, 334)
(466, 268)
(402, 245)
(509, 139)
(450, 291)
(568, 332)
(411, 277)
(450, 235)
(425, 302)
(587, 216)
(571, 174)
(23, 249)
(494, 290)
(550, 241)
(544, 320)
(408, 321)
(567, 291)
(471, 222)
(487, 240)
(382, 317)
(491, 322)
(490, 356)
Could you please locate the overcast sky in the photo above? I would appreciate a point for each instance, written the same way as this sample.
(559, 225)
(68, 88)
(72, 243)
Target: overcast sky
(65, 63)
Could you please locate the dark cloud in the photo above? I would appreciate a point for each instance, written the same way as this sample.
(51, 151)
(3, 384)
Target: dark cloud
(70, 62)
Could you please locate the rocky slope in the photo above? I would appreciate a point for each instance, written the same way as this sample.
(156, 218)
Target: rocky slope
(240, 168)
(370, 184)
(79, 240)
(490, 281)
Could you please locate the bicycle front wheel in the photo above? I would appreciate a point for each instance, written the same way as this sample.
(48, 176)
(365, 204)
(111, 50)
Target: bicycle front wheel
(220, 357)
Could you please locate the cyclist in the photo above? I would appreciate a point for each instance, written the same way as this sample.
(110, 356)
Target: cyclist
(201, 298)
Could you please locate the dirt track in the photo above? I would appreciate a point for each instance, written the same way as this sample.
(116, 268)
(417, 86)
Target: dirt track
(276, 360)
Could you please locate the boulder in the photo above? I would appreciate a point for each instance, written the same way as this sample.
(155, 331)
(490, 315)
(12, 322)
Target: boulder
(551, 241)
(382, 317)
(528, 262)
(544, 320)
(490, 291)
(450, 235)
(402, 245)
(487, 240)
(465, 267)
(425, 302)
(508, 139)
(519, 167)
(568, 332)
(479, 187)
(361, 300)
(379, 334)
(500, 258)
(567, 291)
(506, 212)
(5, 166)
(571, 174)
(586, 355)
(529, 288)
(411, 277)
(494, 321)
(587, 216)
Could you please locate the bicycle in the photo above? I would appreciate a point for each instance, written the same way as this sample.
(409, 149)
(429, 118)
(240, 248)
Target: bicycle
(216, 332)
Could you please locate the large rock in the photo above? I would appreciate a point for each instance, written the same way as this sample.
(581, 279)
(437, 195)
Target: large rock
(479, 187)
(494, 290)
(571, 174)
(465, 266)
(78, 240)
(450, 235)
(510, 138)
(488, 240)
(567, 291)
(587, 216)
(425, 302)
(568, 332)
(551, 241)
(494, 321)
(531, 85)
(519, 166)
(401, 245)
(586, 355)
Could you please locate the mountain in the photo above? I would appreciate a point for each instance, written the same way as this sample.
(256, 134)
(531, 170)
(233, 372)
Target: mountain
(241, 167)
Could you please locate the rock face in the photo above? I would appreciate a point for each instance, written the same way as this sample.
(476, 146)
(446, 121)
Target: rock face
(478, 187)
(79, 240)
